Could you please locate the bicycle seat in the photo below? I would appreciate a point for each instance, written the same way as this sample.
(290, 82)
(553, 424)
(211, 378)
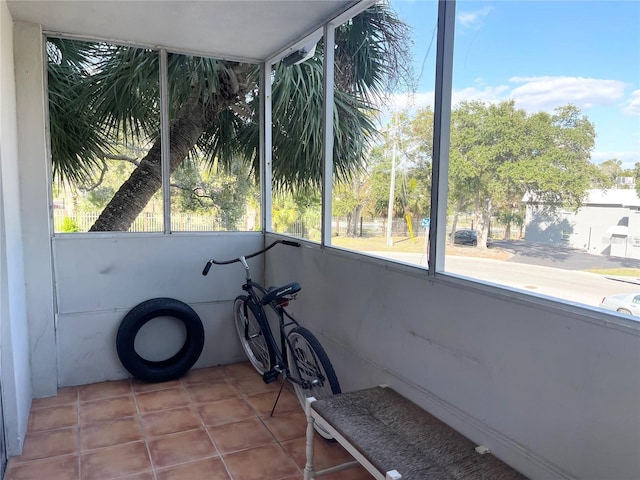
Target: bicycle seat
(278, 292)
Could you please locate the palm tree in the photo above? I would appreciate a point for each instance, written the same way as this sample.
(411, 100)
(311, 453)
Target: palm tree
(101, 93)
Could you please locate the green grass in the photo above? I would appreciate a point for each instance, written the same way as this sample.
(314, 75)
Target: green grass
(364, 244)
(619, 272)
(406, 245)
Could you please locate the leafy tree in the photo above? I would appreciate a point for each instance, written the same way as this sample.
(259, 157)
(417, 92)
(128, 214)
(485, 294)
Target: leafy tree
(499, 154)
(350, 199)
(611, 169)
(98, 92)
(413, 139)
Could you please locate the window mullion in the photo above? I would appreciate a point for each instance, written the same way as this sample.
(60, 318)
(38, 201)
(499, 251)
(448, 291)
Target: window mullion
(441, 135)
(165, 150)
(266, 145)
(327, 144)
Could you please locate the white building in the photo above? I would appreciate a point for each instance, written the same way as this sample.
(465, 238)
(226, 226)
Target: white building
(608, 223)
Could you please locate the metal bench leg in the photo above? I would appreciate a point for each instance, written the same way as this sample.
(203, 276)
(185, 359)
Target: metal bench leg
(309, 473)
(393, 475)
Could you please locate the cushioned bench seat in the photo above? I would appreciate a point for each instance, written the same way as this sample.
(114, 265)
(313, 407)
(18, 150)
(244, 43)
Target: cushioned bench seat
(394, 438)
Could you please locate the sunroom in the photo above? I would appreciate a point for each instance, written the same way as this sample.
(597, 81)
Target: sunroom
(549, 383)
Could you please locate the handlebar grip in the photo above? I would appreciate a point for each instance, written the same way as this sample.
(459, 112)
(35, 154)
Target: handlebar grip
(207, 267)
(290, 243)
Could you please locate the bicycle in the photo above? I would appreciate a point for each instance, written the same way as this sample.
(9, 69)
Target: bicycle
(299, 356)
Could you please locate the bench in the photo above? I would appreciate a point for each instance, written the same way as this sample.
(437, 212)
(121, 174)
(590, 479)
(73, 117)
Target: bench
(395, 439)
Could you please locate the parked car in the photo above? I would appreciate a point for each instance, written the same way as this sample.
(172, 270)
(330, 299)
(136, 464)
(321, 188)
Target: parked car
(466, 237)
(628, 303)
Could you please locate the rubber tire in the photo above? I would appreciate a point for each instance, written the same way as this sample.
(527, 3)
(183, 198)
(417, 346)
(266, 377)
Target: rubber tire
(171, 368)
(624, 310)
(325, 364)
(261, 363)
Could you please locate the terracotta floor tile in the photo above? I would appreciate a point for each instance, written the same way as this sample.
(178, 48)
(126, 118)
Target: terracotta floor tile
(254, 384)
(326, 453)
(50, 443)
(139, 476)
(208, 469)
(225, 411)
(204, 375)
(170, 421)
(161, 426)
(53, 418)
(107, 409)
(98, 391)
(140, 386)
(65, 396)
(54, 468)
(110, 432)
(232, 437)
(263, 403)
(240, 370)
(262, 463)
(210, 392)
(116, 461)
(286, 426)
(162, 400)
(180, 448)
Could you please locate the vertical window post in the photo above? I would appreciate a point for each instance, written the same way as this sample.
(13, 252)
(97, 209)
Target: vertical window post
(165, 148)
(266, 144)
(327, 121)
(441, 134)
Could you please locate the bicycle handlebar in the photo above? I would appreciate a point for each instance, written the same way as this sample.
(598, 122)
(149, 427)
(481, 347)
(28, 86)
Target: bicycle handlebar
(207, 267)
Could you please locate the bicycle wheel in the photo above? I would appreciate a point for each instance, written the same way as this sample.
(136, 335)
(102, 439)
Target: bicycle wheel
(251, 336)
(309, 364)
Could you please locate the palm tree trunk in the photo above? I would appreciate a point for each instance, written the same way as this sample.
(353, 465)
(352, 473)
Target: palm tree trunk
(193, 119)
(134, 194)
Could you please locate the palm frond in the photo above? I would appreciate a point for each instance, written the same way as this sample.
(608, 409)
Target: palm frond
(125, 91)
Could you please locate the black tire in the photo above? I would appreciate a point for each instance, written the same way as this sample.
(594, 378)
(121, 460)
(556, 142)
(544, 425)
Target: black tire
(308, 362)
(624, 310)
(173, 367)
(254, 344)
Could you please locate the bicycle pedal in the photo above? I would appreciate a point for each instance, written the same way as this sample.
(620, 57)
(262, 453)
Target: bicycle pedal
(270, 376)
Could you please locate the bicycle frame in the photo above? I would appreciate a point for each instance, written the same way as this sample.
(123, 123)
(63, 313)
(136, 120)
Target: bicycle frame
(280, 351)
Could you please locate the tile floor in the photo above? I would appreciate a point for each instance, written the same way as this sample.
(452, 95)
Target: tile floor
(212, 424)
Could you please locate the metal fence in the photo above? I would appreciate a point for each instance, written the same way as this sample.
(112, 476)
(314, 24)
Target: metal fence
(146, 222)
(184, 222)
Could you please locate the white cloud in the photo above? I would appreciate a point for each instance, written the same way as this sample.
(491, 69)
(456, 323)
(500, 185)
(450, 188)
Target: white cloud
(545, 93)
(403, 101)
(474, 19)
(632, 105)
(532, 94)
(484, 93)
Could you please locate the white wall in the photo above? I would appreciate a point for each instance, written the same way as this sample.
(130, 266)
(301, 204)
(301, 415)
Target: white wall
(554, 391)
(100, 278)
(14, 358)
(34, 201)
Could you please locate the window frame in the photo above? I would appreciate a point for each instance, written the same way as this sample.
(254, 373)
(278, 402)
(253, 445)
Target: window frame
(164, 135)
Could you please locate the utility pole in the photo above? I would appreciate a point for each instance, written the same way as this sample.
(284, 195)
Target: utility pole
(392, 185)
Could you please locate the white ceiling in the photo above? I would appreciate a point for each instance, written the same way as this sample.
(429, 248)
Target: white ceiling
(232, 29)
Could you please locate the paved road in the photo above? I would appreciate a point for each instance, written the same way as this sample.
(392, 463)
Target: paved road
(572, 285)
(560, 257)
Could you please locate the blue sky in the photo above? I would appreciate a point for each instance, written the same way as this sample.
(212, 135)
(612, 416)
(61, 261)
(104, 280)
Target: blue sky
(542, 54)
